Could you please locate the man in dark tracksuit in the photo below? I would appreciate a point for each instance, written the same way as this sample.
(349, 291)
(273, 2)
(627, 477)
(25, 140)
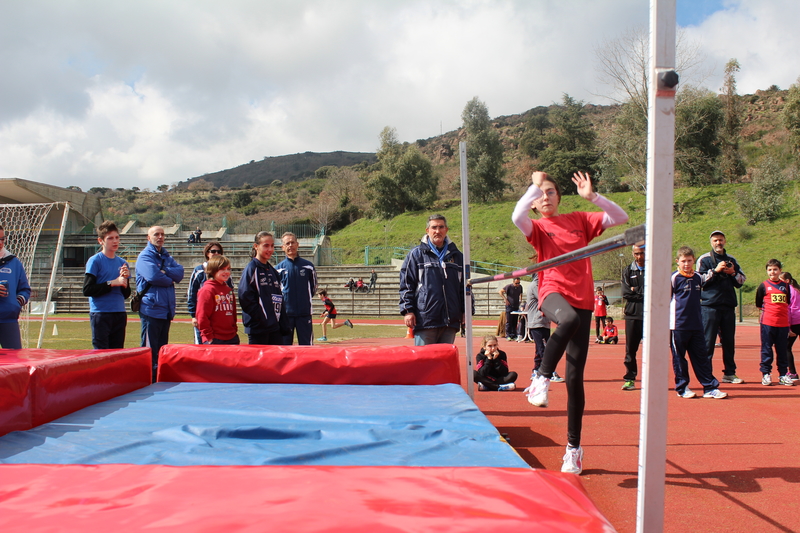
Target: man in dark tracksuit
(432, 287)
(299, 283)
(718, 303)
(633, 292)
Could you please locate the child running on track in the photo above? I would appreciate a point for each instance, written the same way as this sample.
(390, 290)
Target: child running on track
(566, 293)
(329, 316)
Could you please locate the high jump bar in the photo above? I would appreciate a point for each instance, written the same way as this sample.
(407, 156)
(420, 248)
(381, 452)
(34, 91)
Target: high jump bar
(629, 237)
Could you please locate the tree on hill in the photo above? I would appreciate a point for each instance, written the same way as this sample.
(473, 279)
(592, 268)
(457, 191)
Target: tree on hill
(484, 153)
(405, 181)
(765, 199)
(698, 121)
(570, 143)
(731, 166)
(791, 116)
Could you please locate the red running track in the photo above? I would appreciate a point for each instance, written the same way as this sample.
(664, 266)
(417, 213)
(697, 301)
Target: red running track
(732, 465)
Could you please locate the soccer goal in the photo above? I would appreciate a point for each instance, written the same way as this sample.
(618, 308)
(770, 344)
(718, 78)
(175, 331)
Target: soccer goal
(23, 224)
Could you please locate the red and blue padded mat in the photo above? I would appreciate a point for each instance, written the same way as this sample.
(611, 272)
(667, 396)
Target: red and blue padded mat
(184, 424)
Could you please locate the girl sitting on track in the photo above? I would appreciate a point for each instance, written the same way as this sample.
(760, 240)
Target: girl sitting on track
(491, 367)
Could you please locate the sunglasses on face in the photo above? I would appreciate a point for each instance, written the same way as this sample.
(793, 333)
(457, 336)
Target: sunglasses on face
(215, 251)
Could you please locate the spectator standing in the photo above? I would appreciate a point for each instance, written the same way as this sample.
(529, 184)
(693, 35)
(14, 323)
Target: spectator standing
(512, 294)
(299, 284)
(15, 292)
(106, 283)
(538, 327)
(600, 312)
(432, 286)
(633, 293)
(216, 304)
(687, 329)
(157, 272)
(794, 320)
(719, 302)
(261, 297)
(196, 281)
(773, 300)
(373, 280)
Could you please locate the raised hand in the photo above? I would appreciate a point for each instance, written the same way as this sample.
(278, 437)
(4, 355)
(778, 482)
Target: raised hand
(584, 184)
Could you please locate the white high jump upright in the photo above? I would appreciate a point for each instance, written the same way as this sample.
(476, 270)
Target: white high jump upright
(462, 150)
(659, 264)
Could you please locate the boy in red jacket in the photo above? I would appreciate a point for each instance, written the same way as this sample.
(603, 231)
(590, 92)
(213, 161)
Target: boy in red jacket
(773, 299)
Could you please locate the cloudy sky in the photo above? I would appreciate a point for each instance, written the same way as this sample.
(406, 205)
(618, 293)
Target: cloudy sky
(149, 92)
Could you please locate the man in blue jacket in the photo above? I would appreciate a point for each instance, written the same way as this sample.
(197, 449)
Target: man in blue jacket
(299, 285)
(14, 294)
(156, 275)
(432, 287)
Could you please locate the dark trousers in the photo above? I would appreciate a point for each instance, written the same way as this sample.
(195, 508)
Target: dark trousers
(789, 355)
(779, 338)
(304, 327)
(273, 338)
(634, 329)
(694, 343)
(722, 321)
(108, 330)
(155, 334)
(234, 341)
(597, 330)
(571, 336)
(511, 321)
(10, 338)
(491, 382)
(540, 336)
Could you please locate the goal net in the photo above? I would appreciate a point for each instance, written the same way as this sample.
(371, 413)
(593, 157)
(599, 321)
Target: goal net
(23, 224)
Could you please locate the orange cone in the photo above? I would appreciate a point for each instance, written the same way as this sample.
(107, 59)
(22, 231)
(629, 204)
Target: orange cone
(410, 334)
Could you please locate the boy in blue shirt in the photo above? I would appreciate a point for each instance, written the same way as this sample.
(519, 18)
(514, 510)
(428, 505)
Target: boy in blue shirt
(686, 323)
(106, 285)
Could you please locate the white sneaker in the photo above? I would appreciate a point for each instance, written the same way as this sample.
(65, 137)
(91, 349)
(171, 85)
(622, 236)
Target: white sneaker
(766, 380)
(507, 386)
(716, 394)
(687, 394)
(556, 378)
(573, 461)
(786, 380)
(537, 392)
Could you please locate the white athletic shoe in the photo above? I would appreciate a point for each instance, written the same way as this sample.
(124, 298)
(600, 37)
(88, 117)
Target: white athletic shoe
(537, 392)
(716, 394)
(573, 461)
(507, 386)
(687, 394)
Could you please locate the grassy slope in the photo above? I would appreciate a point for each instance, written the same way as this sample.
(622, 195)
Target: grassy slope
(495, 239)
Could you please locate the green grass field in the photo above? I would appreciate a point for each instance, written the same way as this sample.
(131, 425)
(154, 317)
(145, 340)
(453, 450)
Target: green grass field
(74, 332)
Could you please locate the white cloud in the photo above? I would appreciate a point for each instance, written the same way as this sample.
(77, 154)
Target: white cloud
(145, 93)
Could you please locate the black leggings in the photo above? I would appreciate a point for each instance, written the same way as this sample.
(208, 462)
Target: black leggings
(795, 328)
(571, 335)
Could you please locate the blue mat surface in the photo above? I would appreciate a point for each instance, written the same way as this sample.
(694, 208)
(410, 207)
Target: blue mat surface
(183, 424)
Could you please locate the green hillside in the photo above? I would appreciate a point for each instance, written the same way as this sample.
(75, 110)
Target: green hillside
(698, 212)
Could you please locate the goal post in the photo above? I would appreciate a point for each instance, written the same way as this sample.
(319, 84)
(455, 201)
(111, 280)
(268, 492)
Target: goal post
(23, 224)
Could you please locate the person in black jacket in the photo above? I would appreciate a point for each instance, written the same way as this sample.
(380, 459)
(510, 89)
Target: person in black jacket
(718, 302)
(261, 297)
(432, 287)
(491, 367)
(633, 292)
